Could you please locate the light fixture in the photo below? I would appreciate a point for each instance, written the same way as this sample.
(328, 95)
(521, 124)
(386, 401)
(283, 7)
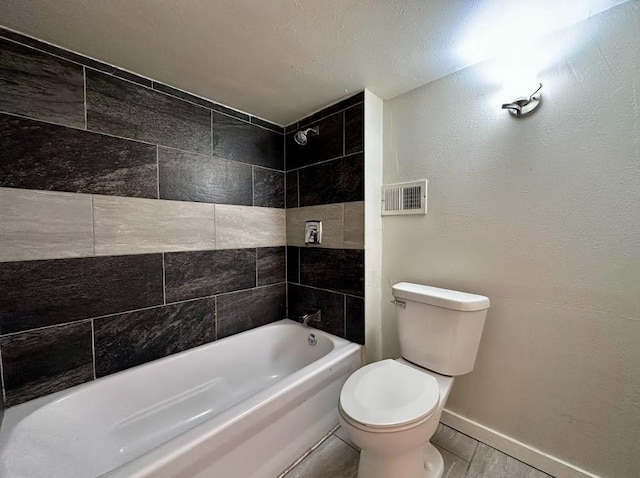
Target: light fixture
(525, 105)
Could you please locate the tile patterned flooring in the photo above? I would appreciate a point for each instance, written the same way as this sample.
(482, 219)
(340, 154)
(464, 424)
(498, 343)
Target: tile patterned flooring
(464, 457)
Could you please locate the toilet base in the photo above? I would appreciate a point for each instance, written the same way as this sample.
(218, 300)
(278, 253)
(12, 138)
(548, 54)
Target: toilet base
(423, 462)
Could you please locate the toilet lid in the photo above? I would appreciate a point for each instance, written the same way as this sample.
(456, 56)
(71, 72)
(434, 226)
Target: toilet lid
(389, 394)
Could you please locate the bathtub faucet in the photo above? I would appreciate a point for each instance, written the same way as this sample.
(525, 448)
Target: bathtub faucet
(312, 317)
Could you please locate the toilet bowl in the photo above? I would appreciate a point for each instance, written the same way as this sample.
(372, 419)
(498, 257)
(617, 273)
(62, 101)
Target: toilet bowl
(391, 408)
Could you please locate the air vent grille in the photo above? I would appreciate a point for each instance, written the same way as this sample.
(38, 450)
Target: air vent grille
(404, 198)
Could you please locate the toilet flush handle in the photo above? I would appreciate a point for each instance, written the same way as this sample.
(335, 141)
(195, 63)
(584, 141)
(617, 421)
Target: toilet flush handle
(399, 303)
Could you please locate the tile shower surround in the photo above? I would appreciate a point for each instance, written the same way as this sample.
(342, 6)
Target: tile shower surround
(133, 148)
(62, 320)
(325, 181)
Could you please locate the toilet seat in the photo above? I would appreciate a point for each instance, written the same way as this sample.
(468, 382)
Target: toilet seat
(388, 394)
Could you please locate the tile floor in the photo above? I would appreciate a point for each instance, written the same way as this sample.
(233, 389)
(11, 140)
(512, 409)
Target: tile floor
(464, 457)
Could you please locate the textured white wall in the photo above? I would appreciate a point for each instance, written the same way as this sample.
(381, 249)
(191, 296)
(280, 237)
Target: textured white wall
(542, 215)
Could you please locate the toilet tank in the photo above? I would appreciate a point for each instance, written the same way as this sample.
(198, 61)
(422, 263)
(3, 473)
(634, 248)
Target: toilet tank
(439, 329)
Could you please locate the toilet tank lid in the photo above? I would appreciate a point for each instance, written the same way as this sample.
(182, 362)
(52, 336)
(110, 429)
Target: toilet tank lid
(448, 299)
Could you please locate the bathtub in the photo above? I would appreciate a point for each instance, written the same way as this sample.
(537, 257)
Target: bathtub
(244, 406)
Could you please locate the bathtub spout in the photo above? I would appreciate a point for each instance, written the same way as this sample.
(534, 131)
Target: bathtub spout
(312, 317)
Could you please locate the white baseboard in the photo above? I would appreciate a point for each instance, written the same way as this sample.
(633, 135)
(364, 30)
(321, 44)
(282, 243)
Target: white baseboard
(512, 447)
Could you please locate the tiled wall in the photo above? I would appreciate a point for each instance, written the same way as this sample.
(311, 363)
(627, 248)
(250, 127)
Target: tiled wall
(136, 220)
(325, 181)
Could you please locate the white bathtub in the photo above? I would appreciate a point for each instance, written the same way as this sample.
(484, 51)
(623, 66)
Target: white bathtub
(245, 406)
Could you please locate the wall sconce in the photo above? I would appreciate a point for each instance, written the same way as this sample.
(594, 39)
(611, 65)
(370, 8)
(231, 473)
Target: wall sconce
(526, 105)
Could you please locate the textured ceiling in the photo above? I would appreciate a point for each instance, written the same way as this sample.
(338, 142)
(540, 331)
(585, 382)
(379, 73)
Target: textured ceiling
(279, 59)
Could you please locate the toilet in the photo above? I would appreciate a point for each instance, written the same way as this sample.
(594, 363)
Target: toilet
(391, 408)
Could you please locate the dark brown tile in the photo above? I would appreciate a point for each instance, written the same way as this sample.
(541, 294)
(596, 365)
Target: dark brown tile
(203, 273)
(293, 264)
(239, 141)
(268, 188)
(123, 109)
(126, 340)
(328, 144)
(292, 127)
(44, 361)
(329, 110)
(231, 112)
(247, 309)
(271, 265)
(341, 270)
(41, 86)
(40, 293)
(197, 177)
(354, 129)
(291, 179)
(304, 300)
(267, 124)
(354, 320)
(43, 156)
(341, 180)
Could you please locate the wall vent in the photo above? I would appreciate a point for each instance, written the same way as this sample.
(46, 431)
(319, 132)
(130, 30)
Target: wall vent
(404, 198)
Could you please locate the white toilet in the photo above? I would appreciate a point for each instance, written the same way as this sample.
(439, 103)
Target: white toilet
(391, 408)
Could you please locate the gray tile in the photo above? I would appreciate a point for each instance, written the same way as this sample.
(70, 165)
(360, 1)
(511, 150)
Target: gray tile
(44, 225)
(271, 265)
(136, 226)
(41, 86)
(44, 361)
(354, 225)
(242, 226)
(130, 339)
(268, 188)
(41, 293)
(332, 459)
(454, 441)
(454, 466)
(491, 463)
(342, 434)
(198, 274)
(38, 155)
(124, 109)
(331, 216)
(239, 141)
(247, 309)
(196, 177)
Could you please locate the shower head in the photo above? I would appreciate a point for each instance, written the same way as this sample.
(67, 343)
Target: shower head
(301, 137)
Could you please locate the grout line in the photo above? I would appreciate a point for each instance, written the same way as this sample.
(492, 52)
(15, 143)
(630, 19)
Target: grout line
(158, 170)
(106, 316)
(164, 283)
(326, 161)
(345, 315)
(329, 290)
(101, 133)
(93, 347)
(309, 123)
(93, 227)
(117, 68)
(257, 268)
(344, 133)
(307, 453)
(253, 186)
(84, 76)
(4, 393)
(215, 321)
